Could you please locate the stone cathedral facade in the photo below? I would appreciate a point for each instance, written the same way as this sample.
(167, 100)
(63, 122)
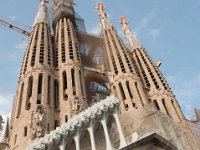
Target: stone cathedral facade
(66, 75)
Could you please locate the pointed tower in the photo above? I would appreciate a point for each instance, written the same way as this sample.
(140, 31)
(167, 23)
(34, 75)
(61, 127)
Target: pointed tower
(72, 95)
(158, 91)
(126, 86)
(1, 122)
(4, 136)
(36, 94)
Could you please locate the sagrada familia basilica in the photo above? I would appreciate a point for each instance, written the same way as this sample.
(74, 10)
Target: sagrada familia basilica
(78, 91)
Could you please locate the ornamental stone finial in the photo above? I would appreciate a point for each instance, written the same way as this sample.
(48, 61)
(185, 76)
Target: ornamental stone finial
(132, 41)
(101, 8)
(105, 22)
(43, 2)
(123, 20)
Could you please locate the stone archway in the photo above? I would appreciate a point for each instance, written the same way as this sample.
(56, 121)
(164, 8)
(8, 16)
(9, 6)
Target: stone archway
(113, 132)
(71, 145)
(99, 136)
(85, 141)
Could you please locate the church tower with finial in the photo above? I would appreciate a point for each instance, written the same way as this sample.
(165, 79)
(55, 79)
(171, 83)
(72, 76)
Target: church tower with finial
(33, 109)
(51, 86)
(157, 90)
(127, 85)
(72, 93)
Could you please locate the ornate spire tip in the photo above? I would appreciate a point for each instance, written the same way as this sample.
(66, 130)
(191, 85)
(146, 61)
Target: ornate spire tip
(100, 7)
(123, 20)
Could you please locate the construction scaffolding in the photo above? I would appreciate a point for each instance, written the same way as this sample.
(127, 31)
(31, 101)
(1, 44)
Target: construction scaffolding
(93, 47)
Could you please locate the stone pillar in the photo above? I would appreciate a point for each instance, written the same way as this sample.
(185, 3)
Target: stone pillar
(121, 134)
(92, 139)
(107, 137)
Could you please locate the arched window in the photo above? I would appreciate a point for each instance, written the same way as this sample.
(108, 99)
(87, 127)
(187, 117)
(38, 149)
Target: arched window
(163, 101)
(25, 131)
(122, 91)
(49, 90)
(29, 92)
(15, 139)
(20, 100)
(64, 75)
(156, 105)
(175, 109)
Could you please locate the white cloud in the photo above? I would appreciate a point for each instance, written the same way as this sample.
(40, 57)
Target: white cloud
(146, 20)
(154, 33)
(187, 91)
(13, 18)
(5, 104)
(21, 46)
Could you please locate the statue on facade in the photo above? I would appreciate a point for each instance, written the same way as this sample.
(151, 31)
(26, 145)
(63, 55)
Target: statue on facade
(38, 124)
(77, 105)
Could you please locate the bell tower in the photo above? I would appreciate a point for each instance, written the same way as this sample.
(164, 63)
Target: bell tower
(158, 91)
(126, 86)
(36, 87)
(68, 61)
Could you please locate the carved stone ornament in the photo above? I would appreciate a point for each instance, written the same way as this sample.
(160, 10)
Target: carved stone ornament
(37, 123)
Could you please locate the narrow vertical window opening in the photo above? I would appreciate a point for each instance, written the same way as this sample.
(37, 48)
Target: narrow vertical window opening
(49, 90)
(15, 139)
(80, 76)
(122, 91)
(64, 84)
(39, 88)
(175, 109)
(163, 101)
(136, 86)
(56, 96)
(56, 124)
(156, 105)
(129, 90)
(20, 100)
(25, 131)
(66, 118)
(73, 81)
(29, 92)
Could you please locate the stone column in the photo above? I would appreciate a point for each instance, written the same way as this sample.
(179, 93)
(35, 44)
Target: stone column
(108, 141)
(121, 134)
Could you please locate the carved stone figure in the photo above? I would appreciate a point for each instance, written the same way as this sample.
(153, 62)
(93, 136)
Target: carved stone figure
(77, 105)
(37, 124)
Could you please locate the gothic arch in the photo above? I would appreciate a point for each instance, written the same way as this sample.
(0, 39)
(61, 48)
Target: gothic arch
(99, 136)
(113, 132)
(71, 145)
(85, 140)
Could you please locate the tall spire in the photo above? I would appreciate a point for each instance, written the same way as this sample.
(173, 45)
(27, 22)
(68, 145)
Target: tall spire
(1, 121)
(105, 22)
(127, 86)
(42, 15)
(132, 40)
(4, 135)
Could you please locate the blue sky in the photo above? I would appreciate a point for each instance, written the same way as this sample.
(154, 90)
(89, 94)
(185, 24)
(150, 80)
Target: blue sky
(169, 30)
